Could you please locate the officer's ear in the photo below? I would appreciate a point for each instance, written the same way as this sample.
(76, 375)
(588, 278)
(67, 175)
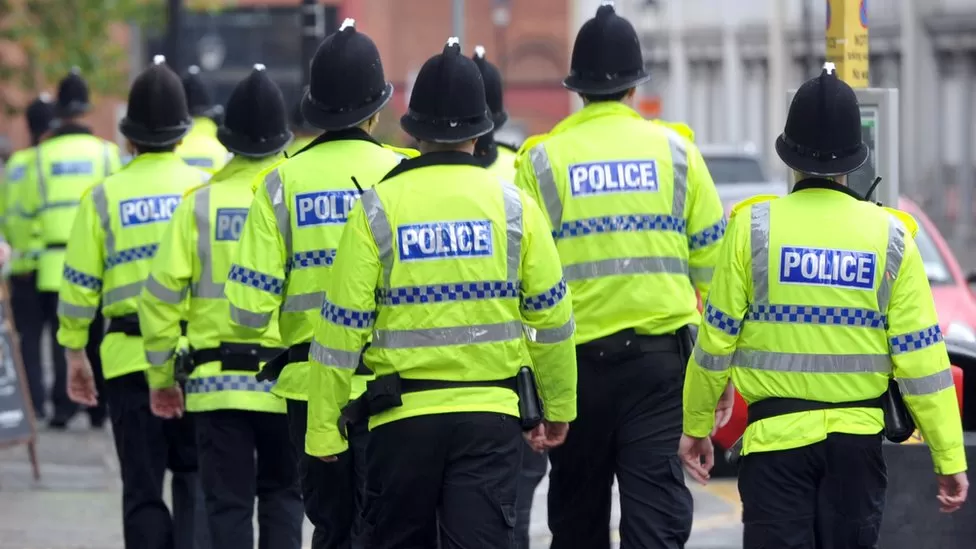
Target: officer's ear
(130, 148)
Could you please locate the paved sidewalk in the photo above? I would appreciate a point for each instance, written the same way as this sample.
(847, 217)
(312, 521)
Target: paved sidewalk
(76, 505)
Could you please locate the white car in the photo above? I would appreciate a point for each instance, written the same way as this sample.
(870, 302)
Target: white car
(738, 174)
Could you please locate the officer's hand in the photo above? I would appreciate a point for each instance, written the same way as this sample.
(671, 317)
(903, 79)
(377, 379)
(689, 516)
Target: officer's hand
(167, 403)
(556, 432)
(723, 411)
(692, 452)
(952, 491)
(328, 459)
(81, 380)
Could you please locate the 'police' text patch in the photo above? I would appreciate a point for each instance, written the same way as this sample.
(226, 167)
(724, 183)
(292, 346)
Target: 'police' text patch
(324, 207)
(619, 176)
(148, 209)
(16, 173)
(230, 222)
(199, 162)
(72, 167)
(827, 267)
(446, 239)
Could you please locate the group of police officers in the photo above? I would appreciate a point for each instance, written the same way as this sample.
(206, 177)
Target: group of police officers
(326, 323)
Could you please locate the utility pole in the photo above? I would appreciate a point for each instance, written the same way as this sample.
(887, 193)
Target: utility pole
(457, 21)
(174, 26)
(313, 32)
(776, 96)
(811, 55)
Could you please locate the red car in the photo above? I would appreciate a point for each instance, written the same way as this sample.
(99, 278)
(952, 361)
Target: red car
(955, 304)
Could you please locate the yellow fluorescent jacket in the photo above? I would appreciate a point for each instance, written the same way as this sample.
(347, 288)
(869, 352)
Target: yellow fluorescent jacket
(19, 227)
(821, 296)
(201, 148)
(635, 215)
(288, 243)
(193, 260)
(444, 267)
(115, 235)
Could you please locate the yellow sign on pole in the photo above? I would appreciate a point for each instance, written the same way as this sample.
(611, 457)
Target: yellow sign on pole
(847, 40)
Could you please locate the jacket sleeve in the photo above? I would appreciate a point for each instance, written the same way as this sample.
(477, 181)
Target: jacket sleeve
(163, 298)
(81, 289)
(708, 367)
(547, 314)
(706, 217)
(341, 332)
(256, 280)
(921, 363)
(527, 180)
(30, 188)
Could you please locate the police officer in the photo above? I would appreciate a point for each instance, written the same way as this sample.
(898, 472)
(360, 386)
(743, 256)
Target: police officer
(242, 432)
(66, 164)
(115, 235)
(818, 298)
(24, 237)
(496, 156)
(638, 223)
(499, 158)
(304, 132)
(200, 147)
(443, 266)
(288, 245)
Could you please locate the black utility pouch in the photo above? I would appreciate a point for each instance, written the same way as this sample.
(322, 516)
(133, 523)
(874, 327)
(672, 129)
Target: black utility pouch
(384, 393)
(182, 366)
(530, 406)
(899, 423)
(686, 340)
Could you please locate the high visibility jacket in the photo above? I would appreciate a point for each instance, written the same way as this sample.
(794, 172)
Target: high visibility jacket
(821, 296)
(443, 266)
(119, 225)
(290, 236)
(298, 144)
(504, 164)
(684, 130)
(65, 167)
(635, 215)
(193, 261)
(201, 148)
(20, 229)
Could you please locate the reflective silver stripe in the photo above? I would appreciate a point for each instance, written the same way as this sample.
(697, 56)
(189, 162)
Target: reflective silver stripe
(379, 225)
(513, 222)
(159, 358)
(163, 293)
(547, 184)
(104, 217)
(625, 266)
(276, 192)
(348, 360)
(679, 160)
(41, 180)
(76, 311)
(811, 363)
(303, 302)
(701, 275)
(708, 361)
(107, 159)
(440, 337)
(116, 295)
(249, 319)
(760, 253)
(893, 257)
(205, 287)
(926, 385)
(551, 335)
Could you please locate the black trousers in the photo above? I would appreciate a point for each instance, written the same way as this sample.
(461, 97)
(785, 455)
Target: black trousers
(147, 446)
(333, 493)
(533, 470)
(29, 323)
(451, 476)
(247, 455)
(829, 495)
(628, 425)
(64, 409)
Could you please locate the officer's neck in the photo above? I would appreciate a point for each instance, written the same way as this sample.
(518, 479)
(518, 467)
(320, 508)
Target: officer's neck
(838, 179)
(427, 147)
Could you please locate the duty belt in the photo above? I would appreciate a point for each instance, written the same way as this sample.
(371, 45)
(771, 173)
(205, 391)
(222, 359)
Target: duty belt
(244, 357)
(772, 407)
(129, 325)
(297, 353)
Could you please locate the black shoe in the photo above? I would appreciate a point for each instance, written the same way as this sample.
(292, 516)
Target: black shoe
(58, 423)
(97, 422)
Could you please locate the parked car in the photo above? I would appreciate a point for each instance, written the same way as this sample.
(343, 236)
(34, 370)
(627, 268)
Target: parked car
(738, 174)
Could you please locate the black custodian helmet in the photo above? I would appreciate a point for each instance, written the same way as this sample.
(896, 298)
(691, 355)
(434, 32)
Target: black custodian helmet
(346, 81)
(494, 90)
(157, 114)
(448, 103)
(256, 120)
(823, 128)
(607, 56)
(198, 98)
(39, 115)
(73, 99)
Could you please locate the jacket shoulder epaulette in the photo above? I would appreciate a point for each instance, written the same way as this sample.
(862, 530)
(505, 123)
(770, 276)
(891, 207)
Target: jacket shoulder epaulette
(750, 201)
(680, 128)
(402, 151)
(194, 189)
(527, 145)
(911, 224)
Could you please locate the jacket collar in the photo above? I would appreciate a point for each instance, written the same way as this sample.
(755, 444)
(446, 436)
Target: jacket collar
(826, 184)
(71, 129)
(340, 135)
(589, 112)
(445, 158)
(242, 164)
